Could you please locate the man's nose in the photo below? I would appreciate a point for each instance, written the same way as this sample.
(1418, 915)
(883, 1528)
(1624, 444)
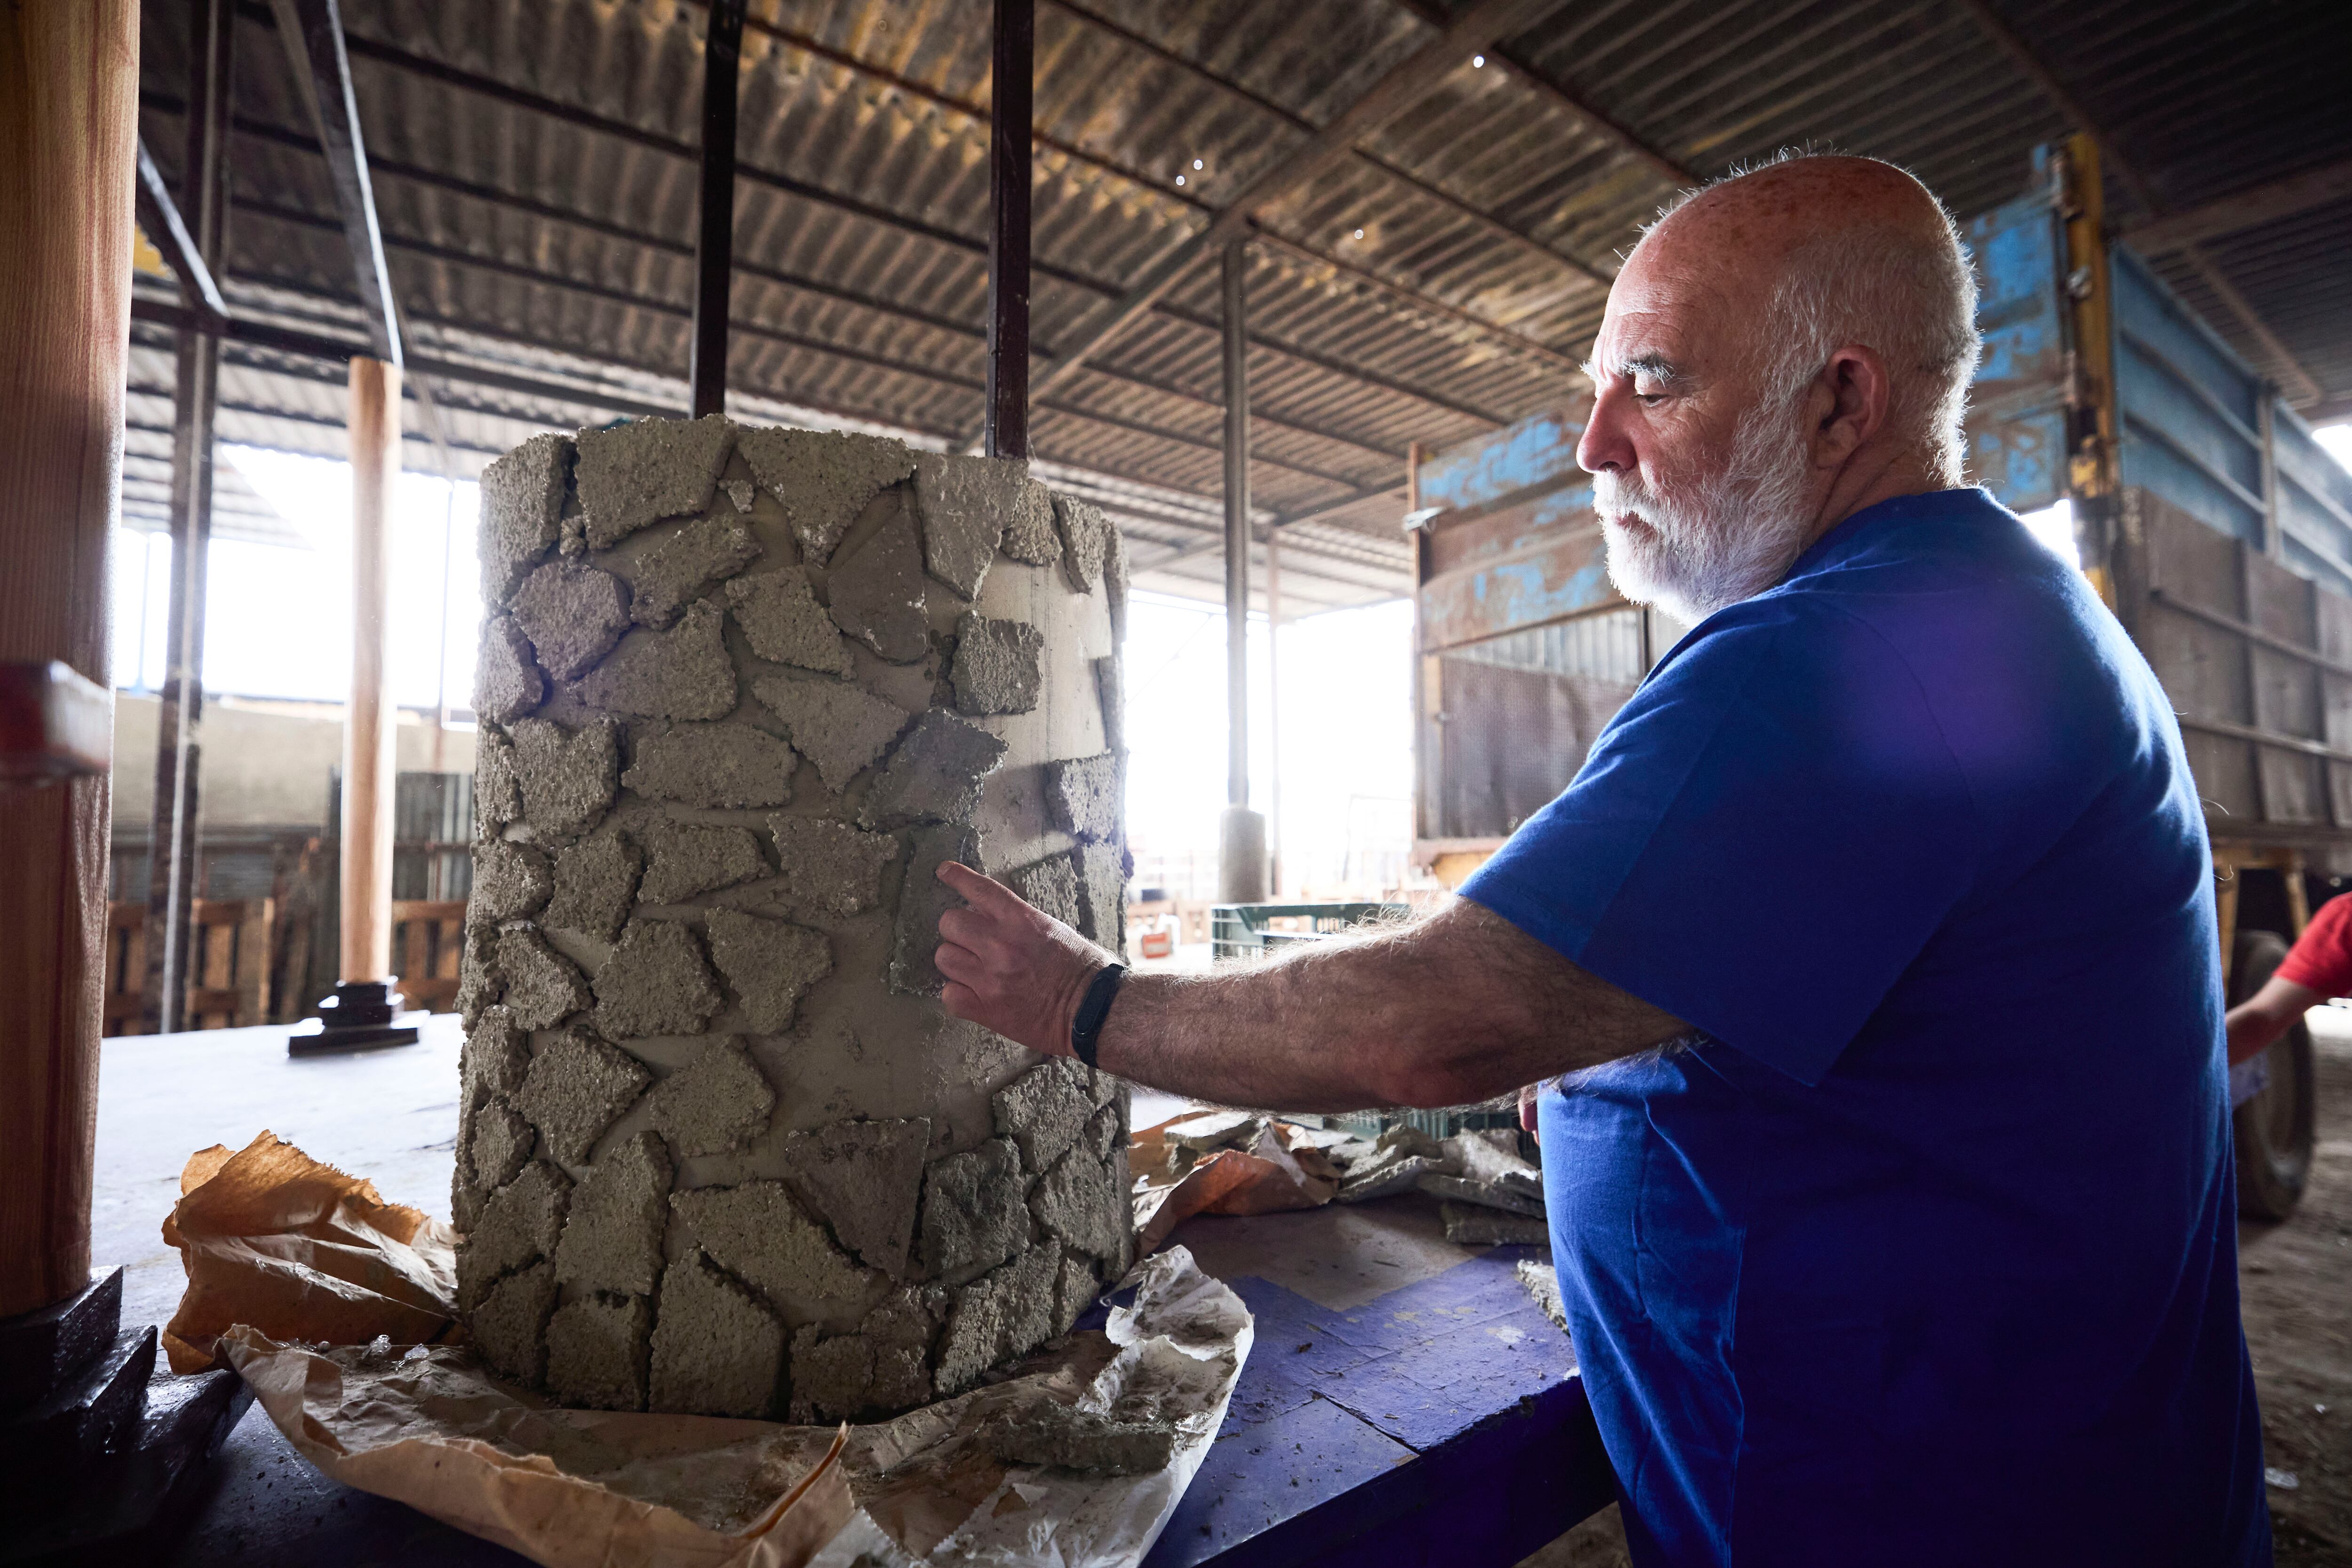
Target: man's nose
(1606, 444)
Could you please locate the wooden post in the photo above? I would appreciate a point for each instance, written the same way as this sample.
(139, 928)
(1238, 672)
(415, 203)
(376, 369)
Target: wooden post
(1011, 89)
(714, 243)
(69, 139)
(1274, 711)
(1241, 832)
(368, 758)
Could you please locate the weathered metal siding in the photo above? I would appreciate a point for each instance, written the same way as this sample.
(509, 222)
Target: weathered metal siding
(2017, 408)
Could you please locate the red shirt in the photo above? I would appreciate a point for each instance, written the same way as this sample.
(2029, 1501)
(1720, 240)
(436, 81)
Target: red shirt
(2322, 957)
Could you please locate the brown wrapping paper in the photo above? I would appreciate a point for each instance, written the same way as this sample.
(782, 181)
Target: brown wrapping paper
(1282, 1169)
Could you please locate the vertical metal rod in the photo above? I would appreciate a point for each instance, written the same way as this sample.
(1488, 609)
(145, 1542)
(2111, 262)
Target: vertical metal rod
(368, 758)
(171, 842)
(714, 241)
(1237, 523)
(2266, 412)
(1013, 64)
(1274, 709)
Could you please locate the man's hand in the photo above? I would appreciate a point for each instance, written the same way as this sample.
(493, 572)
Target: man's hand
(1010, 966)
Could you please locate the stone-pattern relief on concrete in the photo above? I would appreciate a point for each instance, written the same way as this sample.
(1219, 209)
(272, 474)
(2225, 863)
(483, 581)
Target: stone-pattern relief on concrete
(720, 1148)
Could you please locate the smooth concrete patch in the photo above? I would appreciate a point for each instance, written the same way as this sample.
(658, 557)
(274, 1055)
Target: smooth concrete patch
(1086, 540)
(655, 983)
(686, 859)
(510, 1325)
(760, 1235)
(716, 1351)
(638, 473)
(566, 778)
(867, 1179)
(597, 1351)
(1084, 796)
(717, 1103)
(682, 673)
(613, 1239)
(506, 681)
(934, 774)
(963, 505)
(914, 967)
(572, 615)
(510, 882)
(595, 884)
(995, 669)
(822, 480)
(522, 511)
(839, 727)
(974, 1216)
(783, 622)
(577, 1087)
(830, 867)
(769, 963)
(692, 561)
(877, 592)
(714, 766)
(543, 986)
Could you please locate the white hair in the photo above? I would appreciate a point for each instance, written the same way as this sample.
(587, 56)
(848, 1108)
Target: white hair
(1882, 286)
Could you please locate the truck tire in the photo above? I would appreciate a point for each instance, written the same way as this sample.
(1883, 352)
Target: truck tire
(2275, 1128)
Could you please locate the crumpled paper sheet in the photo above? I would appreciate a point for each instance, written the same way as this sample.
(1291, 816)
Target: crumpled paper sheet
(273, 1239)
(1284, 1168)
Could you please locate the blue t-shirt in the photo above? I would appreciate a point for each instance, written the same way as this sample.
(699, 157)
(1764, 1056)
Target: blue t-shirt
(1923, 1250)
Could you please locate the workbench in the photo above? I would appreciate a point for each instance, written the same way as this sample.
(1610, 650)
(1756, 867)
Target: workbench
(1406, 1402)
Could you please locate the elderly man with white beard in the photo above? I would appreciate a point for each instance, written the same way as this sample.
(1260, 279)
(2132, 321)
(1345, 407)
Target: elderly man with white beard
(1869, 963)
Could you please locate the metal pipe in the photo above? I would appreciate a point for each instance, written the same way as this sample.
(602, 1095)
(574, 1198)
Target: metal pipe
(714, 240)
(1237, 522)
(1013, 66)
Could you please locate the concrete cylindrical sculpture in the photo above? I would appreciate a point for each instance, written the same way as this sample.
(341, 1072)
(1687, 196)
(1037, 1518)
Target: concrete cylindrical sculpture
(720, 1149)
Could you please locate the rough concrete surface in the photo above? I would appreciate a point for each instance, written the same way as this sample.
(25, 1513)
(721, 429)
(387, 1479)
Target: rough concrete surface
(510, 1325)
(740, 493)
(566, 778)
(1082, 795)
(1045, 1432)
(691, 562)
(543, 986)
(506, 681)
(595, 883)
(716, 1351)
(760, 1233)
(1076, 1203)
(822, 480)
(934, 774)
(831, 1377)
(577, 1087)
(964, 507)
(1029, 535)
(1102, 895)
(523, 510)
(921, 901)
(1075, 1289)
(1052, 886)
(973, 1214)
(573, 615)
(835, 725)
(717, 1103)
(867, 1179)
(1469, 1226)
(995, 669)
(597, 1352)
(783, 622)
(511, 881)
(1086, 539)
(877, 592)
(500, 1144)
(613, 1239)
(997, 1316)
(495, 1056)
(647, 469)
(497, 800)
(520, 1225)
(830, 867)
(655, 983)
(682, 673)
(769, 965)
(479, 983)
(686, 859)
(1044, 1108)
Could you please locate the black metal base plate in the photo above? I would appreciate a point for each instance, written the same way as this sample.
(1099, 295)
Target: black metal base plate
(358, 1038)
(126, 1507)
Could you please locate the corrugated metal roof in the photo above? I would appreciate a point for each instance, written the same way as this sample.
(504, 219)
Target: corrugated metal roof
(534, 173)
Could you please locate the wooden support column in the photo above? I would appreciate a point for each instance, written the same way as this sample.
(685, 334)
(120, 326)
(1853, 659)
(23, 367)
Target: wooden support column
(1274, 711)
(1241, 832)
(368, 758)
(171, 840)
(1010, 94)
(69, 139)
(714, 239)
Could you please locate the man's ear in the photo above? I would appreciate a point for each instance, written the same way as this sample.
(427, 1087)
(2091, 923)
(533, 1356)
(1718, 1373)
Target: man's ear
(1848, 404)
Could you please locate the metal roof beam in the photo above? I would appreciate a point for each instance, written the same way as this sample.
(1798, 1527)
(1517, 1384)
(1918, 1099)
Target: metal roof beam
(170, 233)
(313, 33)
(2244, 209)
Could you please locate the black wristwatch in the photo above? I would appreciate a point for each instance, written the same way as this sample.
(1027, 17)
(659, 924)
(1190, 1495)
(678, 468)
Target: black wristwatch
(1085, 1030)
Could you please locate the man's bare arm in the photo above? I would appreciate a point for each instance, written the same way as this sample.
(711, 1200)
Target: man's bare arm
(1460, 1006)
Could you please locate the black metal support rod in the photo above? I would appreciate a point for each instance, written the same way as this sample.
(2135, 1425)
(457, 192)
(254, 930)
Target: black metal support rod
(1011, 91)
(1237, 522)
(172, 861)
(714, 237)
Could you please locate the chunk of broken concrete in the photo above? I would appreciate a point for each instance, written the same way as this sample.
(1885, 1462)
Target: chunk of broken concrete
(496, 1054)
(1044, 1109)
(479, 983)
(974, 1216)
(595, 883)
(1102, 895)
(1051, 886)
(998, 1315)
(1485, 1195)
(829, 868)
(997, 666)
(1086, 540)
(934, 774)
(839, 727)
(523, 510)
(573, 615)
(612, 1238)
(922, 900)
(511, 881)
(1468, 1225)
(691, 562)
(769, 963)
(832, 1377)
(597, 1352)
(682, 673)
(497, 801)
(783, 622)
(507, 683)
(566, 778)
(1048, 1433)
(500, 1143)
(543, 986)
(716, 1349)
(577, 1087)
(686, 859)
(1082, 795)
(964, 506)
(759, 1232)
(1077, 1204)
(510, 1324)
(717, 1103)
(655, 983)
(647, 469)
(714, 765)
(1029, 535)
(1075, 1289)
(520, 1225)
(867, 1179)
(822, 480)
(877, 592)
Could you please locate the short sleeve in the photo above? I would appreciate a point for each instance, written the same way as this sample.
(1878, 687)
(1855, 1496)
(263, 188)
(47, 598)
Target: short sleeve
(2321, 959)
(1761, 842)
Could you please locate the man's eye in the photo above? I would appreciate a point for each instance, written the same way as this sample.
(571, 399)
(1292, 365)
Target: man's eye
(1648, 398)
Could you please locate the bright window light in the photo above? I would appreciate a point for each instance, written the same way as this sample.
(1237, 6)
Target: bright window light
(2055, 527)
(2337, 439)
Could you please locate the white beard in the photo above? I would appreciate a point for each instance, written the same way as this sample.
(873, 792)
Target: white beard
(1720, 539)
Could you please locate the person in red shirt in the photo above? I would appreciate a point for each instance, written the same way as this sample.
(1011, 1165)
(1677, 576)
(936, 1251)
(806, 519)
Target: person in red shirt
(2318, 966)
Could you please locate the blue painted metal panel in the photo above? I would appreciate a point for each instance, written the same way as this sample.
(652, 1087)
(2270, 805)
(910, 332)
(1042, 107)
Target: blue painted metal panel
(1537, 452)
(2017, 406)
(1550, 583)
(2146, 308)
